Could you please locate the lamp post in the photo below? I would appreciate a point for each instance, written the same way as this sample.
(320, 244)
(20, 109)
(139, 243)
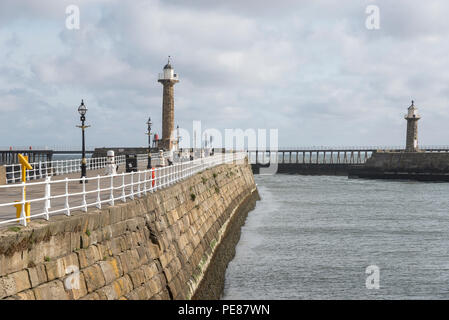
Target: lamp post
(82, 111)
(149, 143)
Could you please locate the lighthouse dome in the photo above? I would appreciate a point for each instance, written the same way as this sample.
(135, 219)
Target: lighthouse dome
(412, 112)
(168, 66)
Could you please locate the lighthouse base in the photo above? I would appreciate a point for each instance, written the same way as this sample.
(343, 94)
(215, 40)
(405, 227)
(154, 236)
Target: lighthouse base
(421, 166)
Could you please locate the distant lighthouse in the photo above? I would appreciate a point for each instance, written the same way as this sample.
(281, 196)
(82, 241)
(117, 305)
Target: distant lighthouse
(412, 118)
(168, 79)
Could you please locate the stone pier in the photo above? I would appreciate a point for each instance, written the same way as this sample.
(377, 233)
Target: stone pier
(171, 244)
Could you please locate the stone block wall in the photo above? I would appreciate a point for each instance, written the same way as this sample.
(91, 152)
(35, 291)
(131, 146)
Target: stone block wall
(409, 161)
(159, 246)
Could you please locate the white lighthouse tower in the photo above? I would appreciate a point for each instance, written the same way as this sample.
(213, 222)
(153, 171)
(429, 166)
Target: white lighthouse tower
(412, 118)
(168, 78)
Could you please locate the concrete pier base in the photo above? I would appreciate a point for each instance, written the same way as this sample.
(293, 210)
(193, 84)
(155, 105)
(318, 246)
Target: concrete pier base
(421, 166)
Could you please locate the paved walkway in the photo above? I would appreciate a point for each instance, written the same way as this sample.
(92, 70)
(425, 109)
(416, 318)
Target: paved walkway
(38, 191)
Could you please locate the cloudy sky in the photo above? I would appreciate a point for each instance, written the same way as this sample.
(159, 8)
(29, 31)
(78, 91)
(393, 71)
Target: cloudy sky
(309, 68)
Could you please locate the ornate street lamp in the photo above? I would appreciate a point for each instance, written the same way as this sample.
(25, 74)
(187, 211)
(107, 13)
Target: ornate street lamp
(82, 111)
(149, 142)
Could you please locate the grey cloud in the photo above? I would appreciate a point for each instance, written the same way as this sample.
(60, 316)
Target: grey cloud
(309, 68)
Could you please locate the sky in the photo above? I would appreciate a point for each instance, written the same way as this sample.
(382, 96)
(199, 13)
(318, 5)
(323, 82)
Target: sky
(310, 69)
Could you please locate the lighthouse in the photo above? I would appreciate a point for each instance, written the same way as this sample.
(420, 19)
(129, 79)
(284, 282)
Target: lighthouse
(412, 118)
(168, 78)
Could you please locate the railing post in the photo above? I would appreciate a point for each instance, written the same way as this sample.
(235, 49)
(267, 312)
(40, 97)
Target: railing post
(155, 179)
(132, 186)
(181, 172)
(123, 188)
(40, 170)
(111, 200)
(84, 203)
(47, 197)
(98, 205)
(67, 206)
(23, 217)
(145, 182)
(167, 173)
(175, 173)
(167, 176)
(160, 181)
(13, 173)
(138, 185)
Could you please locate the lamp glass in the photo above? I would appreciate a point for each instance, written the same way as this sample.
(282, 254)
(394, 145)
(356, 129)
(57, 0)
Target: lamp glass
(82, 109)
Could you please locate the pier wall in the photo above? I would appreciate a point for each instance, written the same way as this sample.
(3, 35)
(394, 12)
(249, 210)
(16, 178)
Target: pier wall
(407, 161)
(309, 168)
(174, 243)
(425, 166)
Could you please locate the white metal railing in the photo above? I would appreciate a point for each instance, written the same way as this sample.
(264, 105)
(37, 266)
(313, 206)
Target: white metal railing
(43, 169)
(54, 196)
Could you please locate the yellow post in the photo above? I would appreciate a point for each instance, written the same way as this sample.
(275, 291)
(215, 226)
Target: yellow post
(19, 210)
(25, 165)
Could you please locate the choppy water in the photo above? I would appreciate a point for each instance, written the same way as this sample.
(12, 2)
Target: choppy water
(312, 237)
